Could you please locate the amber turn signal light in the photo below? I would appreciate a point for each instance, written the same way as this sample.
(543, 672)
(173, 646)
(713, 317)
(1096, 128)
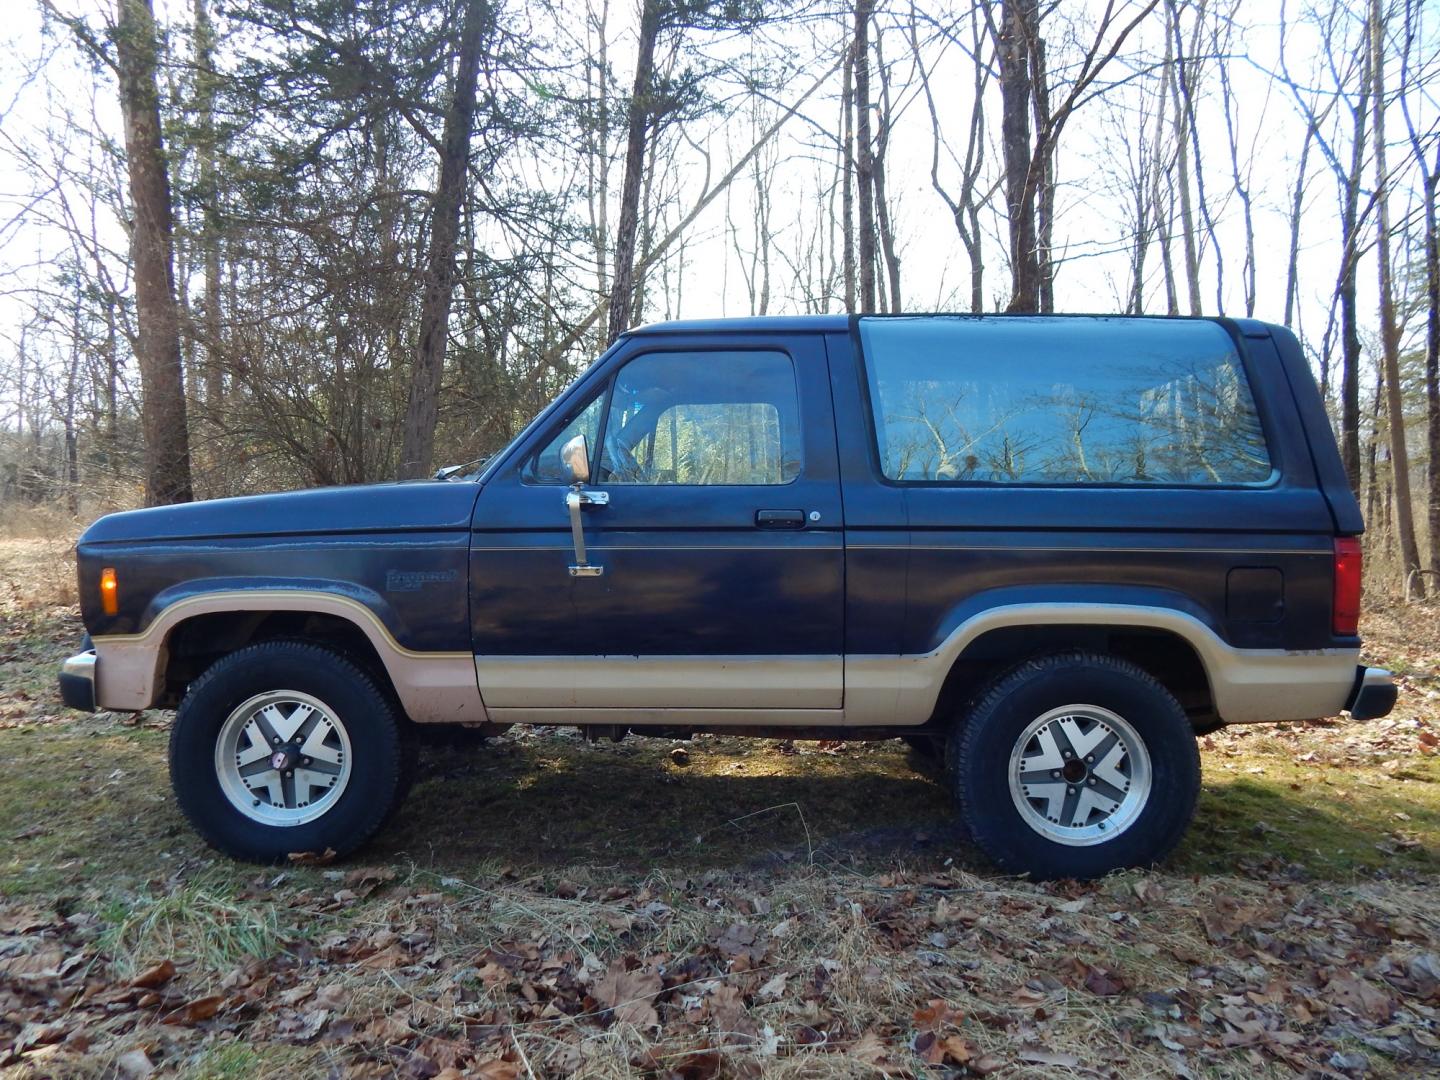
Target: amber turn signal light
(109, 591)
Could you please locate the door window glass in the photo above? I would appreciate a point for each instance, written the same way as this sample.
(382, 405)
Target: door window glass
(703, 418)
(547, 466)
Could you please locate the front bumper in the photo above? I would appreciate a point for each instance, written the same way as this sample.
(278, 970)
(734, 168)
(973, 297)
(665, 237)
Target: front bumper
(1374, 694)
(77, 681)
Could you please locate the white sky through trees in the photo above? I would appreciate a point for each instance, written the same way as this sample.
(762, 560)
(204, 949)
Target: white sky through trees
(43, 77)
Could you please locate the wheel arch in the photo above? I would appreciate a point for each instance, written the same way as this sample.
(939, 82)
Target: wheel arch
(1242, 685)
(139, 671)
(1161, 652)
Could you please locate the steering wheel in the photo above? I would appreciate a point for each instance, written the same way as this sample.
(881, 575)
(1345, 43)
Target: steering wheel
(620, 462)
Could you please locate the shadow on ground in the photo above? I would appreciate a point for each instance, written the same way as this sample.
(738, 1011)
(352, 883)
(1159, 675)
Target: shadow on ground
(91, 798)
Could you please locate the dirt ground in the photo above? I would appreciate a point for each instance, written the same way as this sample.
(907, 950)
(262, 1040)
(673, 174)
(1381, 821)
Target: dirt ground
(542, 906)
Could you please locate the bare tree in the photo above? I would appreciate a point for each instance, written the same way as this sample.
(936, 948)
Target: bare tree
(885, 117)
(418, 444)
(1029, 163)
(967, 202)
(864, 154)
(157, 348)
(1389, 322)
(1429, 169)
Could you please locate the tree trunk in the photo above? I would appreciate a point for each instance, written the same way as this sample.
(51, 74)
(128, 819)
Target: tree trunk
(1389, 323)
(1043, 161)
(622, 290)
(1182, 164)
(209, 200)
(864, 155)
(157, 346)
(422, 410)
(847, 180)
(1349, 317)
(1432, 361)
(1019, 22)
(1297, 201)
(882, 204)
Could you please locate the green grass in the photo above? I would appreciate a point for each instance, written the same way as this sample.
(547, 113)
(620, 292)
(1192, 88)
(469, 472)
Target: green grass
(1335, 822)
(89, 801)
(238, 1061)
(200, 919)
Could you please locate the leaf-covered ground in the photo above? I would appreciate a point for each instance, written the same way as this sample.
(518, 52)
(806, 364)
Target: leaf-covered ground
(542, 906)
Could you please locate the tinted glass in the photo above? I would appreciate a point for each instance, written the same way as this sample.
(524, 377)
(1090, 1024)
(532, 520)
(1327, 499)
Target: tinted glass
(547, 467)
(703, 418)
(1061, 401)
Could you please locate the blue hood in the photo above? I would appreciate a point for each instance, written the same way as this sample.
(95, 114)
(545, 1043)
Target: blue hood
(369, 508)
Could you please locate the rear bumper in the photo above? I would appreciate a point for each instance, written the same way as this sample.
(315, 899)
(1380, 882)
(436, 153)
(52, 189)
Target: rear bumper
(77, 681)
(1374, 694)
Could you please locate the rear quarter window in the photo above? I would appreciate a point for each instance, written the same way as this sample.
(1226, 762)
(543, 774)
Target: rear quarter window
(1061, 401)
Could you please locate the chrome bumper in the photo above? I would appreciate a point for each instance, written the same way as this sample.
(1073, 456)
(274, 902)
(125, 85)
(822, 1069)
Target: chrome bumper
(77, 681)
(1374, 694)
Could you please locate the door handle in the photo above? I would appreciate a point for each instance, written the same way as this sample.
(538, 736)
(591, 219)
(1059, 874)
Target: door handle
(780, 519)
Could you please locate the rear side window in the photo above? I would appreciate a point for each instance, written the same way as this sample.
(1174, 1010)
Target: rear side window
(1061, 401)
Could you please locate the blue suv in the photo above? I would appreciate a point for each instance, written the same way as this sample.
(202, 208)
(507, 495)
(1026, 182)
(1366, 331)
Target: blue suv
(1049, 550)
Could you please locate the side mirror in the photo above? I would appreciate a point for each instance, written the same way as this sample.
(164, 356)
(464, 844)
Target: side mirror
(576, 456)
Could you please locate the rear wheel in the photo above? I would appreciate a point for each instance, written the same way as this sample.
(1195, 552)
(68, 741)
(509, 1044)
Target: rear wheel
(1076, 765)
(286, 747)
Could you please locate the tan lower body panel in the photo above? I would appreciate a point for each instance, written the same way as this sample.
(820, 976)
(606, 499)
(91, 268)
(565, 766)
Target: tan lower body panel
(724, 683)
(1248, 685)
(635, 717)
(432, 687)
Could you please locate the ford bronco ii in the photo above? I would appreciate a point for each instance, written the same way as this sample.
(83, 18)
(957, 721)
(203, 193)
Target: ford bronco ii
(1048, 550)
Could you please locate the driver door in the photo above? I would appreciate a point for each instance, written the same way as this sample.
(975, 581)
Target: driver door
(719, 547)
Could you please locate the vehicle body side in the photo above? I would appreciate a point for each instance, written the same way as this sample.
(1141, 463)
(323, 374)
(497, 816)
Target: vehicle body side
(891, 604)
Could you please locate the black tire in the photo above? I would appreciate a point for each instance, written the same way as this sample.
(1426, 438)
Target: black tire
(987, 737)
(371, 720)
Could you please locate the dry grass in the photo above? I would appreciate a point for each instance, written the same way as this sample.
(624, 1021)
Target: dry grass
(528, 871)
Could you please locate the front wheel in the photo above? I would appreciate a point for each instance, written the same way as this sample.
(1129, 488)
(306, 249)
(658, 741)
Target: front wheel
(1076, 765)
(286, 747)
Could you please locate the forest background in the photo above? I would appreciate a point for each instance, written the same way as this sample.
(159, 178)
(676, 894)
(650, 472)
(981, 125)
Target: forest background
(264, 244)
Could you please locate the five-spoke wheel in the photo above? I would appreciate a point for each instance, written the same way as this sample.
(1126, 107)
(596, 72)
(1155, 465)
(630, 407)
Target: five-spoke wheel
(1079, 774)
(283, 757)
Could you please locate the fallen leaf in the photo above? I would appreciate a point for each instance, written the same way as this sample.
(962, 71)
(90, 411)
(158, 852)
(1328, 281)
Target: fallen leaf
(1102, 982)
(202, 1008)
(935, 1016)
(26, 920)
(952, 1050)
(1039, 1055)
(774, 990)
(312, 858)
(1360, 997)
(33, 1035)
(158, 975)
(872, 1050)
(629, 995)
(741, 940)
(40, 964)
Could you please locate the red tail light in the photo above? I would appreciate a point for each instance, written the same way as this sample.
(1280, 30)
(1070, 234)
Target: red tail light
(1345, 611)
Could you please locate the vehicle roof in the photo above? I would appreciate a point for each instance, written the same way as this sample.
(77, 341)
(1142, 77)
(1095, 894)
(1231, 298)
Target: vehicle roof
(841, 323)
(812, 323)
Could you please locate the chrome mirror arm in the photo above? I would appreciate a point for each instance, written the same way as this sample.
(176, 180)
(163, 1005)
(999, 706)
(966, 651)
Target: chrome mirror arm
(575, 499)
